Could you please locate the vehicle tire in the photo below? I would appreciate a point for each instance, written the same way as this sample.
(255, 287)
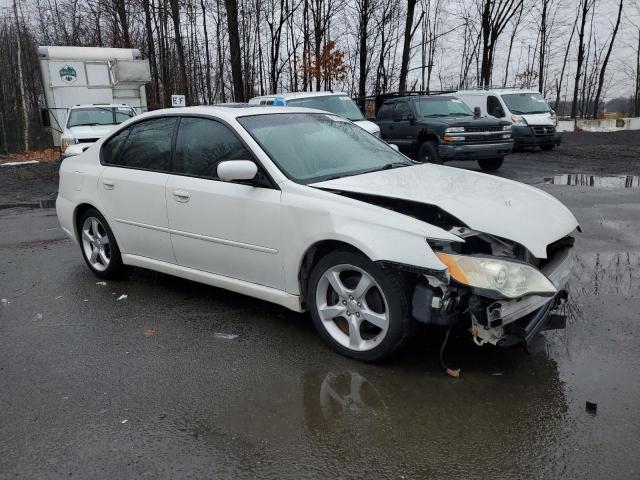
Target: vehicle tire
(547, 147)
(428, 153)
(98, 245)
(490, 164)
(359, 309)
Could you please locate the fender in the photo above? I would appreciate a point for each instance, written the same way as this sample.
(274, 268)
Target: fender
(381, 234)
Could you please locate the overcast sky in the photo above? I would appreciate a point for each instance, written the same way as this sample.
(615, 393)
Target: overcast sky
(620, 70)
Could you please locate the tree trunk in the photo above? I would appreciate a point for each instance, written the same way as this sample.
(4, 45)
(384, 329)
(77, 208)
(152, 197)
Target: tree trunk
(364, 27)
(121, 11)
(182, 65)
(23, 99)
(206, 52)
(151, 53)
(564, 65)
(636, 108)
(603, 69)
(543, 46)
(580, 60)
(234, 49)
(406, 46)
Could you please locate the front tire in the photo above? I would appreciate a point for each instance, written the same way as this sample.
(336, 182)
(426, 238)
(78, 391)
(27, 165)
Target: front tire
(359, 309)
(98, 245)
(491, 164)
(428, 153)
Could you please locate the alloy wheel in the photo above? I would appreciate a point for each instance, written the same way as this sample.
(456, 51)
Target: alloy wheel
(95, 243)
(352, 307)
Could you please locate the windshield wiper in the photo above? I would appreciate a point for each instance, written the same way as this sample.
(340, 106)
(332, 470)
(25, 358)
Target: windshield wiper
(85, 125)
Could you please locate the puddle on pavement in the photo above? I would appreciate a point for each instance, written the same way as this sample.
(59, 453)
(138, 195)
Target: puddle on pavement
(596, 181)
(38, 204)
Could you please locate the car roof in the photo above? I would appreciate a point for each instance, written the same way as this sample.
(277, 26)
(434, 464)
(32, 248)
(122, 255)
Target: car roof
(227, 113)
(496, 91)
(294, 95)
(422, 97)
(108, 105)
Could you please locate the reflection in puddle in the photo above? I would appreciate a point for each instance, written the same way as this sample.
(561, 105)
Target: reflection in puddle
(607, 273)
(582, 180)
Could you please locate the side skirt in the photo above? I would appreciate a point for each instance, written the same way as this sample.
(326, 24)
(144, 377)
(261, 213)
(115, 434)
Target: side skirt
(268, 294)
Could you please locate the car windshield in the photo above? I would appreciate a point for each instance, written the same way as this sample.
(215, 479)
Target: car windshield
(99, 116)
(311, 147)
(442, 107)
(338, 104)
(521, 103)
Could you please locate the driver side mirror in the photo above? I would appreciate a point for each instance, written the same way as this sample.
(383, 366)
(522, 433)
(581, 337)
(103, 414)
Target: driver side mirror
(477, 112)
(231, 170)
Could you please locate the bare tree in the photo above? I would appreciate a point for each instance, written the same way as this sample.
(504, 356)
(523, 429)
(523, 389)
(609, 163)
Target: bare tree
(603, 68)
(409, 31)
(495, 16)
(585, 7)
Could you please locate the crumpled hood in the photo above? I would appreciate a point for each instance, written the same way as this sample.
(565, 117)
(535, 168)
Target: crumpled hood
(90, 131)
(538, 119)
(485, 203)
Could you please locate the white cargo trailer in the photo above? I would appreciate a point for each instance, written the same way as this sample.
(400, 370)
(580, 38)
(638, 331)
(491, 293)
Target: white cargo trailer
(91, 75)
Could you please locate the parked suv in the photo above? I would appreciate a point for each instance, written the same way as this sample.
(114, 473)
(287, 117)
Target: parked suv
(335, 102)
(438, 128)
(534, 122)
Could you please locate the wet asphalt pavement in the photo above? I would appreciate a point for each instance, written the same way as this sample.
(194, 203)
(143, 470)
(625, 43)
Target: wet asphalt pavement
(180, 380)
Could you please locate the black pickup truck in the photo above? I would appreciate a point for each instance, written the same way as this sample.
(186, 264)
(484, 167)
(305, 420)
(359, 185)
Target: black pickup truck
(437, 128)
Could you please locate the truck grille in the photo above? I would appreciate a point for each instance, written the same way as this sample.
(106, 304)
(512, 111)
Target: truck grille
(483, 129)
(543, 130)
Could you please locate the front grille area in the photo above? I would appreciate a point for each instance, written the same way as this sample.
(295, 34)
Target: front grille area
(543, 130)
(483, 129)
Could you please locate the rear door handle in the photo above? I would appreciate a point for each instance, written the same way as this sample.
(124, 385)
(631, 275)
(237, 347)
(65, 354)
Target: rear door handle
(108, 185)
(181, 196)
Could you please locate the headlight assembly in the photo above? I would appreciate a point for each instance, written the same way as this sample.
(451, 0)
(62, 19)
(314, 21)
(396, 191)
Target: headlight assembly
(506, 278)
(518, 120)
(454, 130)
(66, 141)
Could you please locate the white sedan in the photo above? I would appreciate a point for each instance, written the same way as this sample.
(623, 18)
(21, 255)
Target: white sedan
(305, 209)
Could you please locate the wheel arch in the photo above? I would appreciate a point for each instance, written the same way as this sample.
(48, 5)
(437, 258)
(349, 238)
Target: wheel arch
(77, 213)
(313, 254)
(425, 135)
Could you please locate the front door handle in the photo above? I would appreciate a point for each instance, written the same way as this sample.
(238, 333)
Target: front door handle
(108, 185)
(181, 196)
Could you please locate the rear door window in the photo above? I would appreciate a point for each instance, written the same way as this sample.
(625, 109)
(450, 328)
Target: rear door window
(148, 145)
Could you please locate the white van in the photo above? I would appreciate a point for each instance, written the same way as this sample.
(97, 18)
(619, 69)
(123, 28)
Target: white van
(335, 102)
(533, 121)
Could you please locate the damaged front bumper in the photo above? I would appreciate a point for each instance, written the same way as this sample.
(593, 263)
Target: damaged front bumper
(503, 322)
(508, 322)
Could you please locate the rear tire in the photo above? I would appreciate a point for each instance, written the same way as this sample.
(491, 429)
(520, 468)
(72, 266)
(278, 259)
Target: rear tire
(98, 245)
(490, 164)
(359, 309)
(428, 153)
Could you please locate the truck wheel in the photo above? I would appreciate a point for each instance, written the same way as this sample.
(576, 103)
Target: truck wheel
(547, 147)
(359, 309)
(490, 164)
(428, 153)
